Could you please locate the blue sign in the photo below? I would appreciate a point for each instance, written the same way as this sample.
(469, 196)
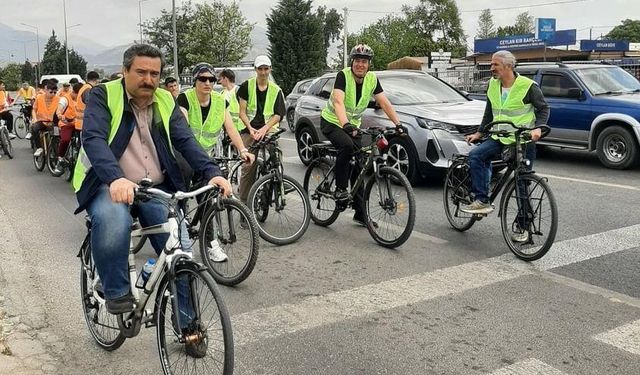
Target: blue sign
(563, 38)
(513, 42)
(604, 45)
(546, 28)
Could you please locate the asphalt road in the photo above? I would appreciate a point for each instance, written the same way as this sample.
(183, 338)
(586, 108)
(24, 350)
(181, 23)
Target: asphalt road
(336, 303)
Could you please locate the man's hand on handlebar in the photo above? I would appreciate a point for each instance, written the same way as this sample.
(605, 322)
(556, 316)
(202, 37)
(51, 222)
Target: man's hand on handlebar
(536, 134)
(350, 129)
(122, 191)
(248, 157)
(473, 138)
(223, 184)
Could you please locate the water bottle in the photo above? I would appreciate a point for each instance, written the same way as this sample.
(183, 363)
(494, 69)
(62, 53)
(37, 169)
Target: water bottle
(147, 269)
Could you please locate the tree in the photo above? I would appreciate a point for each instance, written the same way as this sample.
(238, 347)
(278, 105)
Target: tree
(390, 38)
(629, 30)
(28, 74)
(219, 34)
(77, 63)
(11, 75)
(486, 27)
(331, 22)
(159, 31)
(438, 24)
(54, 60)
(524, 24)
(297, 47)
(506, 31)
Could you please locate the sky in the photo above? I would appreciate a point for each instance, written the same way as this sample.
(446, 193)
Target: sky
(114, 22)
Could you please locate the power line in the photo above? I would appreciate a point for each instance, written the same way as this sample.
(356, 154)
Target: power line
(527, 6)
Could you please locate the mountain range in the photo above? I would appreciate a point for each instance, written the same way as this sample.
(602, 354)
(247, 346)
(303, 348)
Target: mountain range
(20, 44)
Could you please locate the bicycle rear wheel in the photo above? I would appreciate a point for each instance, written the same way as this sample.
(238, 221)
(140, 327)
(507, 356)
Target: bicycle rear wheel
(390, 207)
(6, 143)
(52, 156)
(319, 183)
(102, 325)
(455, 194)
(288, 205)
(20, 127)
(529, 217)
(236, 232)
(195, 334)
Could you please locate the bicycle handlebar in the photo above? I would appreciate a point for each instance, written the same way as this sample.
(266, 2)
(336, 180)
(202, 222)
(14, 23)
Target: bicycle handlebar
(520, 130)
(384, 131)
(145, 192)
(268, 138)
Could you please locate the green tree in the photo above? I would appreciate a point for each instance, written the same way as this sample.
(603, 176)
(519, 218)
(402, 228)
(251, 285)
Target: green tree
(77, 63)
(524, 24)
(506, 31)
(331, 22)
(390, 38)
(12, 76)
(438, 24)
(159, 32)
(28, 74)
(53, 60)
(297, 47)
(486, 27)
(219, 34)
(629, 30)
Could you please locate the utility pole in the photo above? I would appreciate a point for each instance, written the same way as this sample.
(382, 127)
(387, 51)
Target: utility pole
(344, 41)
(38, 47)
(176, 71)
(140, 18)
(66, 46)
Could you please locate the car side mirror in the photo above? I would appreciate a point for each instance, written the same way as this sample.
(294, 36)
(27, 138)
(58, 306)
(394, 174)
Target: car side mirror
(373, 104)
(575, 93)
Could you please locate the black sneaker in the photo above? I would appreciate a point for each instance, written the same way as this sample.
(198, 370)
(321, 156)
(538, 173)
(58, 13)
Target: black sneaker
(341, 195)
(121, 305)
(359, 219)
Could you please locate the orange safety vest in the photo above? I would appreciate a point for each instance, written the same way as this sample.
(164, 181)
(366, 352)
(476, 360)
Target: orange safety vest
(69, 113)
(3, 100)
(61, 92)
(80, 105)
(43, 112)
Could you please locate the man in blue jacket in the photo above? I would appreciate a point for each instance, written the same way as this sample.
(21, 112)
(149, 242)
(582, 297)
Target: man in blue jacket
(130, 130)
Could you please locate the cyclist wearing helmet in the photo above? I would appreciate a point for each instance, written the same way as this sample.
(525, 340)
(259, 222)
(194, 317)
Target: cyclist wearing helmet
(354, 87)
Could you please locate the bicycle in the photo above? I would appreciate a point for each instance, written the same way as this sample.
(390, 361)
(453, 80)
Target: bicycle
(392, 196)
(22, 120)
(5, 141)
(70, 157)
(522, 205)
(179, 285)
(279, 203)
(49, 139)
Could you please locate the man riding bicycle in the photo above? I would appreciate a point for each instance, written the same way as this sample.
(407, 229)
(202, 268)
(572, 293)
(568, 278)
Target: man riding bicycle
(44, 113)
(510, 97)
(5, 110)
(28, 94)
(354, 87)
(129, 133)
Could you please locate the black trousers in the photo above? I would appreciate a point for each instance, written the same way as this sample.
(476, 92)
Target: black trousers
(346, 146)
(8, 120)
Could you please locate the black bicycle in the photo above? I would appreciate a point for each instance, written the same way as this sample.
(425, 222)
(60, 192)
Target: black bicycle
(5, 141)
(278, 201)
(22, 120)
(70, 157)
(528, 212)
(388, 196)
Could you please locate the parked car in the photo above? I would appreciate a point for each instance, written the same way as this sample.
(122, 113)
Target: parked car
(594, 107)
(290, 101)
(436, 117)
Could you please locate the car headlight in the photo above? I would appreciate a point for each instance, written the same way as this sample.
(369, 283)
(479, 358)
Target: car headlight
(432, 124)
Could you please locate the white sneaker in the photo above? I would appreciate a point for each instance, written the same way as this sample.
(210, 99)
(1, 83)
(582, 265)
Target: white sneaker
(216, 253)
(520, 237)
(38, 152)
(12, 136)
(28, 136)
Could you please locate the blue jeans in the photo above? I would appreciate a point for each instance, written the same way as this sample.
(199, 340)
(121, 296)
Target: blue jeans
(480, 164)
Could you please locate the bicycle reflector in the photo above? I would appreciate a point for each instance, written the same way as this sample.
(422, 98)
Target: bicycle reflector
(382, 144)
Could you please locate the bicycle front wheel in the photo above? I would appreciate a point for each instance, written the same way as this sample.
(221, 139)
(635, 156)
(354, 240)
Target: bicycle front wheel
(282, 208)
(6, 143)
(235, 231)
(319, 183)
(455, 194)
(52, 158)
(103, 326)
(193, 327)
(529, 216)
(390, 207)
(20, 127)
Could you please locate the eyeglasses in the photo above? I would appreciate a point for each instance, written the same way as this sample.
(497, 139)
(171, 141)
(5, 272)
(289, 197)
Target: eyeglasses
(205, 79)
(52, 91)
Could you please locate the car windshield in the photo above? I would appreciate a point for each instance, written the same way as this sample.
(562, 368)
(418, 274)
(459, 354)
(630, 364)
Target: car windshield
(418, 89)
(608, 80)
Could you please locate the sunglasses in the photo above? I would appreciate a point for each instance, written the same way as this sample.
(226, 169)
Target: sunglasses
(205, 79)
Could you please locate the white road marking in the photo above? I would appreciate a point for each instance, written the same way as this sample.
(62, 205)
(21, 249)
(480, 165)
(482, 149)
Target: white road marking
(288, 139)
(626, 337)
(332, 308)
(607, 184)
(530, 366)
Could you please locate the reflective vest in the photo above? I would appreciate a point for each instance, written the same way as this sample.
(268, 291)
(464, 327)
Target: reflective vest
(3, 99)
(28, 93)
(513, 108)
(115, 102)
(234, 108)
(80, 105)
(207, 131)
(354, 110)
(43, 112)
(69, 113)
(273, 91)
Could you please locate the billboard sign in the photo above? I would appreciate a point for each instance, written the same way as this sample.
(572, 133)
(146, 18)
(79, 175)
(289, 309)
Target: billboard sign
(604, 45)
(546, 29)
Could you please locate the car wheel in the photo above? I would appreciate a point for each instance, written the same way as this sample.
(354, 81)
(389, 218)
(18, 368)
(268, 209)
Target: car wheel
(402, 156)
(304, 140)
(617, 148)
(290, 114)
